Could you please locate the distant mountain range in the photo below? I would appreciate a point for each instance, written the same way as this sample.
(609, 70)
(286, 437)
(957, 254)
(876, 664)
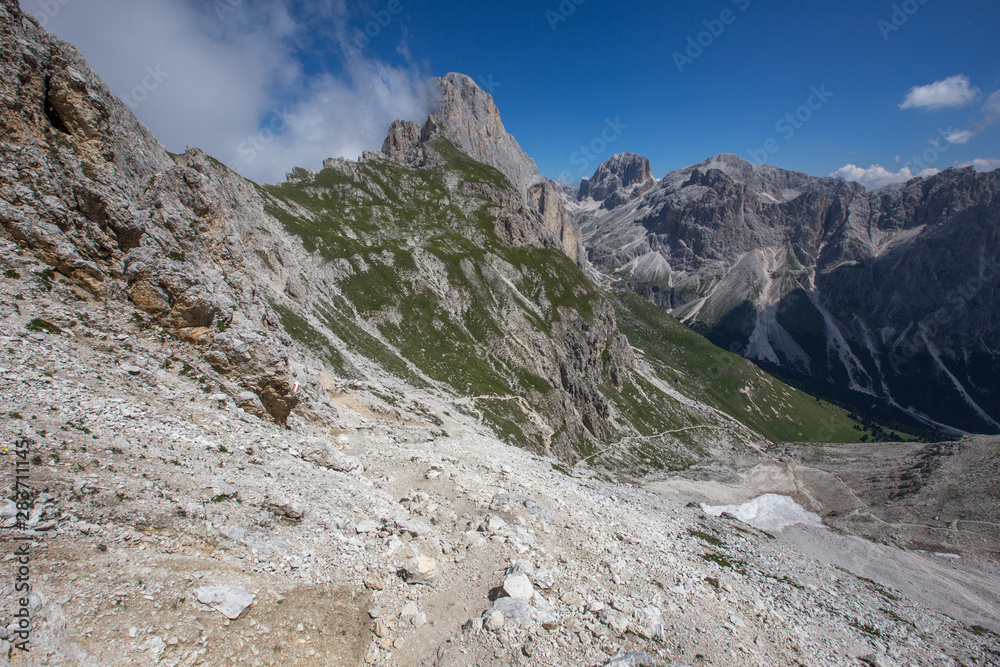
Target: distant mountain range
(888, 301)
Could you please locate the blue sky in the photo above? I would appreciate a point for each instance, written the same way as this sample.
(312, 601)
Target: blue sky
(267, 86)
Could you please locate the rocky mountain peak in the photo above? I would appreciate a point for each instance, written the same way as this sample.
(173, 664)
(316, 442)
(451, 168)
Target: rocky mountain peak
(468, 117)
(614, 181)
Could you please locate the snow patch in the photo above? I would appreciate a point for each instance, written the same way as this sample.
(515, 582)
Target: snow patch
(769, 512)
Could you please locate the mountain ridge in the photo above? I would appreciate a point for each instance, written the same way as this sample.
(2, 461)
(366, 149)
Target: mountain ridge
(742, 251)
(419, 264)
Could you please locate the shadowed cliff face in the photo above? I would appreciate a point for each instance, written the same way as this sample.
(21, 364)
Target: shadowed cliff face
(890, 295)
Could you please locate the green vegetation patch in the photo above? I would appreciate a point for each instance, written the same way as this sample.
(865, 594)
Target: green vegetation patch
(727, 381)
(38, 325)
(303, 332)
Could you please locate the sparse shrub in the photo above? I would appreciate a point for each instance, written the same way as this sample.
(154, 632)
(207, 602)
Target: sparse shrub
(38, 325)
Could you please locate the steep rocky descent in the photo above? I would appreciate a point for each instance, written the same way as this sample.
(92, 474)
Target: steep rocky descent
(623, 177)
(469, 118)
(150, 493)
(891, 294)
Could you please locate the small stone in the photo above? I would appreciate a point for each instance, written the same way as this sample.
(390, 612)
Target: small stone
(373, 582)
(495, 524)
(632, 659)
(572, 599)
(419, 620)
(616, 620)
(367, 526)
(518, 586)
(286, 508)
(375, 612)
(409, 610)
(544, 578)
(133, 631)
(494, 621)
(381, 630)
(420, 570)
(231, 601)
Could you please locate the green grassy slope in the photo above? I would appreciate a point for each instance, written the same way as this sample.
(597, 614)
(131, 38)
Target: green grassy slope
(427, 287)
(421, 251)
(730, 383)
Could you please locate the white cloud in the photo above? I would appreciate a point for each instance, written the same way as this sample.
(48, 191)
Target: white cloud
(233, 84)
(959, 136)
(877, 176)
(955, 91)
(982, 164)
(992, 106)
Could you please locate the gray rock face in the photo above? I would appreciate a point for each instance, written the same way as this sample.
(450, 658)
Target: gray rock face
(890, 294)
(91, 192)
(614, 181)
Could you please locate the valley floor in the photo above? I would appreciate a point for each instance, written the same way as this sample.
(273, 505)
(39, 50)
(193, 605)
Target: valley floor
(147, 489)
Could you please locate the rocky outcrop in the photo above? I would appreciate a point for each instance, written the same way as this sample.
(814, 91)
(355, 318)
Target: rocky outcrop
(472, 122)
(890, 294)
(91, 192)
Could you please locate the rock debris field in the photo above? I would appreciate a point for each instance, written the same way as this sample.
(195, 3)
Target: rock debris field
(169, 527)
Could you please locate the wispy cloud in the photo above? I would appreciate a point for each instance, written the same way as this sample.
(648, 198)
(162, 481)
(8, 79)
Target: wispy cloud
(959, 136)
(232, 74)
(983, 164)
(955, 91)
(992, 105)
(877, 176)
